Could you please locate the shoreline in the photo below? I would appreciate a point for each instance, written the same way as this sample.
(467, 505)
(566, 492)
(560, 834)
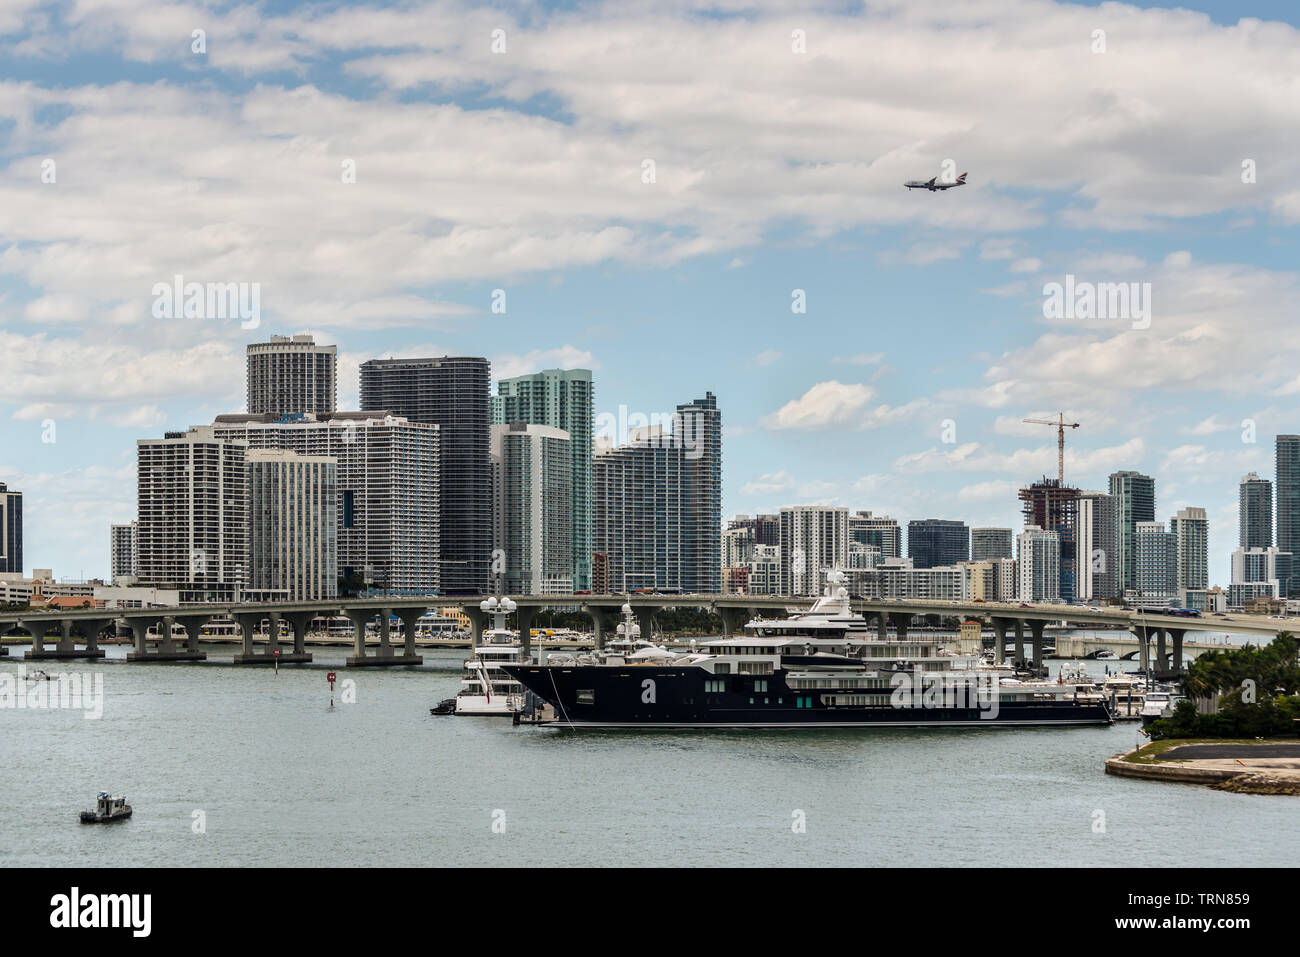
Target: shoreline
(1262, 775)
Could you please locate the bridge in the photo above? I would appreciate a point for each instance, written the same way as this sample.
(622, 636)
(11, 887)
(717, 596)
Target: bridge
(85, 626)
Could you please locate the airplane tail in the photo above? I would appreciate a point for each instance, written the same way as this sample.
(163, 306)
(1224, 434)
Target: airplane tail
(961, 180)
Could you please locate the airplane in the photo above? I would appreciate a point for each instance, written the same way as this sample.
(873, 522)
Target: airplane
(932, 185)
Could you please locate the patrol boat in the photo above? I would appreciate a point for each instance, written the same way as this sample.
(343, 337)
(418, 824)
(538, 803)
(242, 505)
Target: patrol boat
(107, 809)
(822, 667)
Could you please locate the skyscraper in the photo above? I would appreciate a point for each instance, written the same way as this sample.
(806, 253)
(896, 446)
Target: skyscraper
(387, 503)
(123, 550)
(814, 540)
(1155, 562)
(1255, 512)
(936, 542)
(879, 530)
(532, 476)
(562, 399)
(1288, 501)
(11, 531)
(1097, 559)
(1055, 508)
(292, 525)
(290, 375)
(1191, 530)
(1135, 501)
(989, 543)
(452, 393)
(1039, 564)
(192, 497)
(657, 504)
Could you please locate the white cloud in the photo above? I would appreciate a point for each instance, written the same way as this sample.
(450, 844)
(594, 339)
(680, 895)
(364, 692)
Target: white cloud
(767, 357)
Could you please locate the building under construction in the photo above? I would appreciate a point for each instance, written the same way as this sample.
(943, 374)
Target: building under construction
(1055, 508)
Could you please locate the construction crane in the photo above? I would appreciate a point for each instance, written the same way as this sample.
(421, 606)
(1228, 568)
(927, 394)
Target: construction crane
(1061, 426)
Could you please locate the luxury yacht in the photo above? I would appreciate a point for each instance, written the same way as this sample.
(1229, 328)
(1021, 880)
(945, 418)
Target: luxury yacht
(823, 667)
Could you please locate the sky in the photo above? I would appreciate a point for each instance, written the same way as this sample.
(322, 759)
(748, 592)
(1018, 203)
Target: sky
(684, 198)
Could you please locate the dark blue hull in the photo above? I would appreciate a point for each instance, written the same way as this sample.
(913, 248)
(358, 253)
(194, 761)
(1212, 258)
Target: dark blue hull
(599, 696)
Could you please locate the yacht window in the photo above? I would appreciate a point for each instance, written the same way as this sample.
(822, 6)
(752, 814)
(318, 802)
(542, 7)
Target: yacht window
(586, 696)
(722, 668)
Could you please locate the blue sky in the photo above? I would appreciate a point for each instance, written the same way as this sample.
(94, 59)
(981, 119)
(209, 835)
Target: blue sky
(775, 171)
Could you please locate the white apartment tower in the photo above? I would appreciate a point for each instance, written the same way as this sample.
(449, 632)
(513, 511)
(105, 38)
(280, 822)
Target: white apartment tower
(814, 540)
(387, 493)
(293, 525)
(291, 375)
(191, 491)
(533, 516)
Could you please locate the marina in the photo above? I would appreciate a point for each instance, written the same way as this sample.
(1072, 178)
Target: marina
(260, 749)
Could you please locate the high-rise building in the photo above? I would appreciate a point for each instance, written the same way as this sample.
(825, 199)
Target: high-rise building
(292, 525)
(878, 530)
(1135, 501)
(452, 393)
(657, 504)
(533, 514)
(388, 481)
(1191, 530)
(990, 543)
(1255, 512)
(936, 542)
(1288, 502)
(123, 550)
(291, 375)
(192, 496)
(763, 529)
(1259, 572)
(737, 543)
(562, 399)
(1097, 558)
(1053, 507)
(814, 540)
(1155, 562)
(1039, 565)
(11, 531)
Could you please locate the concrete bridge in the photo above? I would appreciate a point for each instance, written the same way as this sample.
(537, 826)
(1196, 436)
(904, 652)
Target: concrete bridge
(83, 628)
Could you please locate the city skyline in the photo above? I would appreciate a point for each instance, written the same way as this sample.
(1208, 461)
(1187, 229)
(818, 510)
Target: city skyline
(539, 376)
(922, 340)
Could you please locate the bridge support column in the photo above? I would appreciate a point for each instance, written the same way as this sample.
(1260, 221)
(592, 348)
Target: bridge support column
(66, 648)
(1036, 627)
(477, 622)
(409, 617)
(603, 620)
(999, 640)
(1018, 652)
(298, 622)
(386, 657)
(1176, 666)
(900, 621)
(524, 617)
(645, 617)
(1162, 658)
(267, 656)
(1144, 653)
(166, 650)
(733, 620)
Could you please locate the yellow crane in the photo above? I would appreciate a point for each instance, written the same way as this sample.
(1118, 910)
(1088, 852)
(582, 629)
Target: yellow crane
(1061, 426)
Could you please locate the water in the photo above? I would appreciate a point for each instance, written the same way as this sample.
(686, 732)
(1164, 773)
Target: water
(281, 779)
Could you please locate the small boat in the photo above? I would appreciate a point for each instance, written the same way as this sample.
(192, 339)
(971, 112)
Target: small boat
(107, 810)
(445, 706)
(38, 676)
